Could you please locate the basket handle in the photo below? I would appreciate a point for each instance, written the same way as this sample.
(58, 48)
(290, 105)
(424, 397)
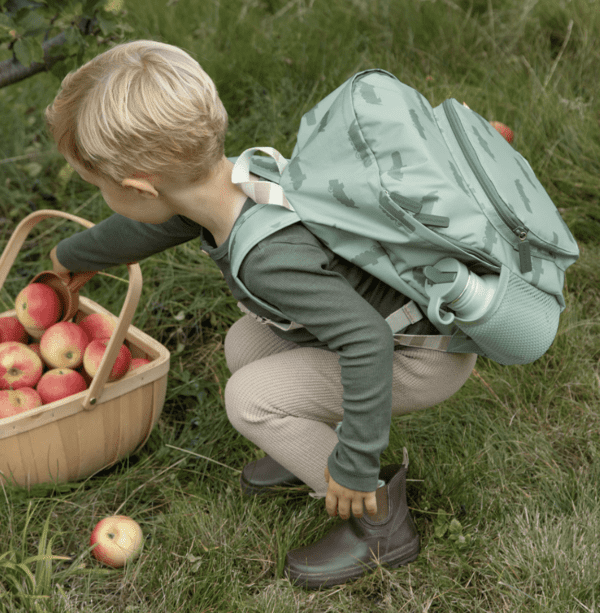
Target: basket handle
(125, 317)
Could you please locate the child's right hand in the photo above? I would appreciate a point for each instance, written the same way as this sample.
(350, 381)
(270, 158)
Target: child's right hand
(345, 502)
(58, 268)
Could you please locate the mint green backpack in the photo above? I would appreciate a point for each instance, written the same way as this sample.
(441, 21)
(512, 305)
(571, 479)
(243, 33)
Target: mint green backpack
(395, 186)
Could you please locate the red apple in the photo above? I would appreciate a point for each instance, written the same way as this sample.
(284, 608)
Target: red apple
(98, 325)
(59, 383)
(117, 540)
(137, 362)
(19, 366)
(38, 307)
(504, 130)
(11, 329)
(13, 402)
(7, 409)
(95, 352)
(63, 345)
(36, 347)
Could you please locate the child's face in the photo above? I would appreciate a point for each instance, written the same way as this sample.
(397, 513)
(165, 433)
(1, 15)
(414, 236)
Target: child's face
(143, 204)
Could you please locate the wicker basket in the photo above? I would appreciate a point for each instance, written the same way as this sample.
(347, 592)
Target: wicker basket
(73, 438)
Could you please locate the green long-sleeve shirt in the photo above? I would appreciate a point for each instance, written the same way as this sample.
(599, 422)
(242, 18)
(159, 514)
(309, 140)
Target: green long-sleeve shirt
(342, 307)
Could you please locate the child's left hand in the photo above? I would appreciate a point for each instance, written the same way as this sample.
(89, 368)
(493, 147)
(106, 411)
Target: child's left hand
(340, 500)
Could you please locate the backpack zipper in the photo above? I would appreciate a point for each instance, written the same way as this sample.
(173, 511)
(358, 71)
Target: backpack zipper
(516, 226)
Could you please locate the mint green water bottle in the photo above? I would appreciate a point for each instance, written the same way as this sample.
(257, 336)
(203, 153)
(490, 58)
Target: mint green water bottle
(510, 320)
(466, 294)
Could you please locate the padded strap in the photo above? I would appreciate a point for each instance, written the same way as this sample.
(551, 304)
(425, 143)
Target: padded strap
(262, 192)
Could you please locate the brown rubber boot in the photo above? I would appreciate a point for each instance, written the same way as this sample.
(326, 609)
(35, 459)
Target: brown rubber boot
(266, 476)
(352, 548)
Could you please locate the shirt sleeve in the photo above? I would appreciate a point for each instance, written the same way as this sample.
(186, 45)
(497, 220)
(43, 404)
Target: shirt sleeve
(120, 240)
(295, 278)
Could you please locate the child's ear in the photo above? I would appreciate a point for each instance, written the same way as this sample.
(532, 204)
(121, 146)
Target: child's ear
(143, 187)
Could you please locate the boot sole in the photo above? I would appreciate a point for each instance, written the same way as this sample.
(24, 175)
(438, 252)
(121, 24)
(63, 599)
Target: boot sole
(390, 560)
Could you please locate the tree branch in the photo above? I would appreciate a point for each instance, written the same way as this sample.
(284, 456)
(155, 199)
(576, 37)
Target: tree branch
(12, 71)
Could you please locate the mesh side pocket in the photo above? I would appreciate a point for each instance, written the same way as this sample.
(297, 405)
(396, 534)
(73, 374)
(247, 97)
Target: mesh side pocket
(520, 325)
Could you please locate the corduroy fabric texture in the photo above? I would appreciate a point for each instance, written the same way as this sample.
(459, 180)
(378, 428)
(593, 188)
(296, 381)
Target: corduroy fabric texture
(287, 399)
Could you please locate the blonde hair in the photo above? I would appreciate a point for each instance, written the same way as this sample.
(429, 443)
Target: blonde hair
(142, 106)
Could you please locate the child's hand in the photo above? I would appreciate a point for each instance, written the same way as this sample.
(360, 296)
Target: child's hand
(58, 268)
(340, 500)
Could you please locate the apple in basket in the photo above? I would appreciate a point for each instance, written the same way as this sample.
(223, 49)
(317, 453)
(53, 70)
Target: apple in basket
(59, 383)
(13, 402)
(95, 352)
(98, 325)
(11, 329)
(19, 366)
(38, 307)
(63, 345)
(117, 539)
(36, 347)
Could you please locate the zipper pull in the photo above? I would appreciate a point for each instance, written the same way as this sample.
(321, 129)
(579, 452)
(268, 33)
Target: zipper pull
(524, 251)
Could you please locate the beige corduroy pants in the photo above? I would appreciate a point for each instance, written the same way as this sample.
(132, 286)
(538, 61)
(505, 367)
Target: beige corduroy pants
(287, 399)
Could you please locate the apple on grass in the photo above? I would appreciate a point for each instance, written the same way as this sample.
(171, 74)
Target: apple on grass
(19, 366)
(95, 352)
(13, 402)
(98, 325)
(11, 329)
(59, 383)
(116, 540)
(63, 345)
(38, 307)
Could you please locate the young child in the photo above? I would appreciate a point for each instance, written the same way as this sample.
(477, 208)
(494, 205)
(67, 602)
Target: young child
(143, 122)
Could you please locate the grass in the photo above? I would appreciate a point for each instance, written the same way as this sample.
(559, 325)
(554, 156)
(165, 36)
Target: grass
(503, 477)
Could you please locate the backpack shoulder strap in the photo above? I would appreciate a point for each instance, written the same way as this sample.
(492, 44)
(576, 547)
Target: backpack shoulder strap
(262, 192)
(255, 225)
(271, 213)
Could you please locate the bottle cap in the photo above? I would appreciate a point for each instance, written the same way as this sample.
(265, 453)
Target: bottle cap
(446, 281)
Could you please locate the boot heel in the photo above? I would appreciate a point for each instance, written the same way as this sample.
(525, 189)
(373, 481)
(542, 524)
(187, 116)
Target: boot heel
(266, 476)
